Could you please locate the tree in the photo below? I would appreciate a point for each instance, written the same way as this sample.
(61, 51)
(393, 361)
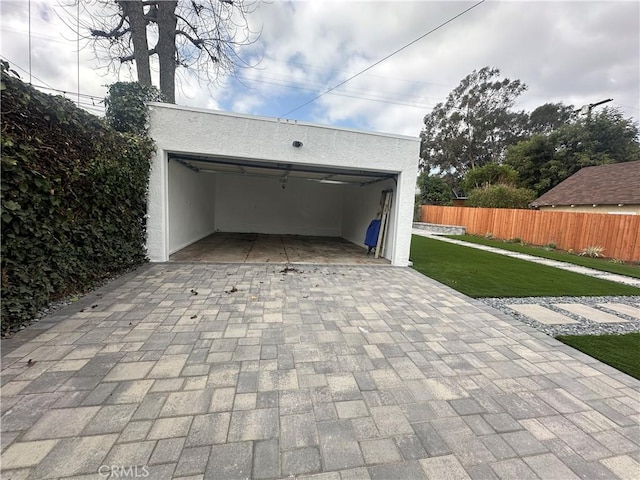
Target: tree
(543, 161)
(531, 159)
(490, 174)
(474, 125)
(202, 35)
(434, 190)
(548, 117)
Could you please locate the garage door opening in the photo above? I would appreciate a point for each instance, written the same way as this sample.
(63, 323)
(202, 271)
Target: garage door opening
(222, 172)
(238, 210)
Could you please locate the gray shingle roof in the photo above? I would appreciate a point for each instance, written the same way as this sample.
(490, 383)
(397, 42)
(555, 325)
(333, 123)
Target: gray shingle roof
(600, 185)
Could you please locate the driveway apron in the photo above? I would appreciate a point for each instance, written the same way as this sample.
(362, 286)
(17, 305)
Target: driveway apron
(263, 371)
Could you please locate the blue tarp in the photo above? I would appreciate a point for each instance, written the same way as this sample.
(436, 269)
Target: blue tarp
(371, 239)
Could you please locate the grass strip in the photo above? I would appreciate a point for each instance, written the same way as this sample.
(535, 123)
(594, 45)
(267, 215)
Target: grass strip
(620, 351)
(602, 264)
(478, 274)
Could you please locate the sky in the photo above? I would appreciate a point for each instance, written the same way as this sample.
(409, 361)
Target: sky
(572, 52)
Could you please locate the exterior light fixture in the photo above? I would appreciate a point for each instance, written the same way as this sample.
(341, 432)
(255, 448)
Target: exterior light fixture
(297, 144)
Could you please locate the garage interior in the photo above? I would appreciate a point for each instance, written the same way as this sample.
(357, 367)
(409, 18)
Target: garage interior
(230, 210)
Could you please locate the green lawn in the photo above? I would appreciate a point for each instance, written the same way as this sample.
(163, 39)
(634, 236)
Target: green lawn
(620, 351)
(596, 263)
(477, 273)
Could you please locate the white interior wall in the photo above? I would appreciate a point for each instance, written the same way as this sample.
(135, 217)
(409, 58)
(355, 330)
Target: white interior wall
(191, 206)
(260, 205)
(360, 206)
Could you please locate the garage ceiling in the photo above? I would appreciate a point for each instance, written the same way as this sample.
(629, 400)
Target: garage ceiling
(283, 171)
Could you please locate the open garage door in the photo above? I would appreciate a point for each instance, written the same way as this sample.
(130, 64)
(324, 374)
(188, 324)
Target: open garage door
(225, 209)
(242, 174)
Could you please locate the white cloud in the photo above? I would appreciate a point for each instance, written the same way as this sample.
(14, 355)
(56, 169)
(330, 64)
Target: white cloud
(574, 52)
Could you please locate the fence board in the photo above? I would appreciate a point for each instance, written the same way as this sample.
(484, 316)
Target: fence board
(619, 235)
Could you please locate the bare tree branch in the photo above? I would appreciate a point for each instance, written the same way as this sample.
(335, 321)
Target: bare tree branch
(202, 36)
(115, 33)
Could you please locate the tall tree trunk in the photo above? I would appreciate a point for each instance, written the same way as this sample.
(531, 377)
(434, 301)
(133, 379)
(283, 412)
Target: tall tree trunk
(166, 49)
(134, 11)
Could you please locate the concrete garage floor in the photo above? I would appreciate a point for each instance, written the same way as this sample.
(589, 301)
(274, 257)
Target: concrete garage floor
(282, 249)
(358, 372)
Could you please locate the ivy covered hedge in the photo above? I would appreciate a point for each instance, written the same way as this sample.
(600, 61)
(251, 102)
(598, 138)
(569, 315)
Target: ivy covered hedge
(73, 200)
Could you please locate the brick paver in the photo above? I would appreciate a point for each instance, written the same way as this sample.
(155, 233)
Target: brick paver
(343, 372)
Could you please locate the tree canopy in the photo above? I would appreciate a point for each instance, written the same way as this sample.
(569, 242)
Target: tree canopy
(434, 190)
(545, 160)
(474, 125)
(202, 35)
(489, 174)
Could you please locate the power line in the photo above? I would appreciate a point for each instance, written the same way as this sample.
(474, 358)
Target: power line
(91, 107)
(318, 67)
(311, 89)
(47, 86)
(385, 58)
(65, 92)
(14, 64)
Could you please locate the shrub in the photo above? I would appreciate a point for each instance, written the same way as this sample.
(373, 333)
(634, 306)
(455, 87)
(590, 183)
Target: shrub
(73, 199)
(434, 190)
(489, 174)
(593, 251)
(500, 196)
(126, 108)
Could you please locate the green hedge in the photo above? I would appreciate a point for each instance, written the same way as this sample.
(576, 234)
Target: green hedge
(73, 200)
(500, 196)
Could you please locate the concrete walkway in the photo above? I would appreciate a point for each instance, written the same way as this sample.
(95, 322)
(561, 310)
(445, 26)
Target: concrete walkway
(364, 372)
(532, 258)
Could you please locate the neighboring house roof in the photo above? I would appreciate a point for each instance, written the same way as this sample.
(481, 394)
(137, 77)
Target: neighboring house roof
(612, 184)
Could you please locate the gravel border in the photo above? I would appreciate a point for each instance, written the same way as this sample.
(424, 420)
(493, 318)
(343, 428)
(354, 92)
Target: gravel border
(74, 298)
(585, 327)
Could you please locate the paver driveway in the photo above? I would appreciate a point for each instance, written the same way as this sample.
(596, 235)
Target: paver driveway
(358, 372)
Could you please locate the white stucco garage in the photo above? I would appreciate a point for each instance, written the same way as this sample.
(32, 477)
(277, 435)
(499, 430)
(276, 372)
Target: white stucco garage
(223, 172)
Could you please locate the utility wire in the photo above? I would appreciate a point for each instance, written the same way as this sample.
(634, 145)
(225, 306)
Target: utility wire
(14, 64)
(313, 89)
(48, 86)
(315, 85)
(385, 58)
(84, 95)
(92, 107)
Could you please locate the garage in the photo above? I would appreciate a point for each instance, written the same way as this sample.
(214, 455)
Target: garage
(218, 176)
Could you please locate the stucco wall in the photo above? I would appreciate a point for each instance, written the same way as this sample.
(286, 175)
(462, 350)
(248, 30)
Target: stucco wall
(260, 205)
(232, 136)
(191, 206)
(614, 209)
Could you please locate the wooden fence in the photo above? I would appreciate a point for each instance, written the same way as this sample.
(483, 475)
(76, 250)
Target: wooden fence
(619, 235)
